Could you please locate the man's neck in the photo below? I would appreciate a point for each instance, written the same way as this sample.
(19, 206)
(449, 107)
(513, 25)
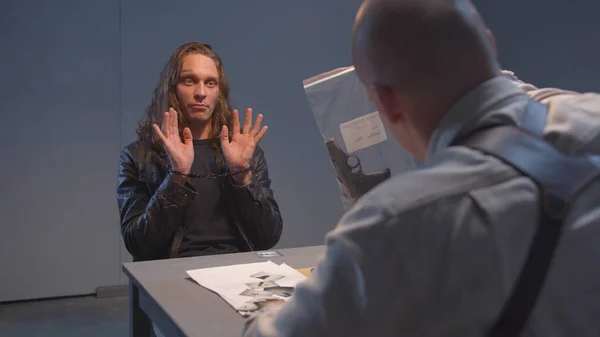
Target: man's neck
(201, 131)
(465, 114)
(435, 109)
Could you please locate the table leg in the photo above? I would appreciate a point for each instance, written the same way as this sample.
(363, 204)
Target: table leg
(139, 323)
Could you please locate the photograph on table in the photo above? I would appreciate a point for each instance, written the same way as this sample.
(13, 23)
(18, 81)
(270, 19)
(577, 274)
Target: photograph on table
(261, 285)
(264, 294)
(266, 276)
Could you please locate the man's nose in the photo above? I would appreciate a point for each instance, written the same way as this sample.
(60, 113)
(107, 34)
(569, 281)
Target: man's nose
(200, 90)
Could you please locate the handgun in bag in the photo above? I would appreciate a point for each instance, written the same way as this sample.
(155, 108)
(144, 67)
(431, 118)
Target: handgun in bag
(354, 182)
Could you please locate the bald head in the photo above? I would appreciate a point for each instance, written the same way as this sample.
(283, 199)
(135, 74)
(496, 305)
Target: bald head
(416, 58)
(421, 45)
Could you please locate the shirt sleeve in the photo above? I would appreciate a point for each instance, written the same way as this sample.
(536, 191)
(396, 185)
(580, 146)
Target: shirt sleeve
(322, 305)
(335, 293)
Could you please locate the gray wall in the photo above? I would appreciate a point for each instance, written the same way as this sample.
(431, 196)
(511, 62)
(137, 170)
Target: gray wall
(59, 135)
(552, 43)
(76, 77)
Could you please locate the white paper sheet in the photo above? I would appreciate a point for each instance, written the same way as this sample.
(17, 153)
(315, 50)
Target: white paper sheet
(250, 287)
(363, 132)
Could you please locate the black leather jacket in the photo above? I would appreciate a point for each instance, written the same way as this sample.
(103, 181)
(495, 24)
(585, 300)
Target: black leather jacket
(152, 205)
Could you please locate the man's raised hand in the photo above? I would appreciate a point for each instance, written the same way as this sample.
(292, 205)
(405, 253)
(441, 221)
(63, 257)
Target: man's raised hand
(239, 151)
(181, 154)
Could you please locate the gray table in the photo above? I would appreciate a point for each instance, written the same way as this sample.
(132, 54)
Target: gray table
(162, 292)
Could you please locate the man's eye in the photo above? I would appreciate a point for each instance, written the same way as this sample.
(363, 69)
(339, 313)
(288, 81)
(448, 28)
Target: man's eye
(212, 83)
(188, 80)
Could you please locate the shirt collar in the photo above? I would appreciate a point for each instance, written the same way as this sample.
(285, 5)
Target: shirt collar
(470, 108)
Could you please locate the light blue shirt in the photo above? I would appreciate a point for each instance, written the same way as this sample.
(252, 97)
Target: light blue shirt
(436, 251)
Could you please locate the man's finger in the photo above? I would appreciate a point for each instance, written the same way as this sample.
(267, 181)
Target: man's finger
(224, 135)
(159, 133)
(248, 120)
(165, 124)
(236, 122)
(174, 122)
(261, 134)
(187, 136)
(256, 127)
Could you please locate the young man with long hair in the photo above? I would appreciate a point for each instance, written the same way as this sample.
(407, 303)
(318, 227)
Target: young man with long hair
(195, 182)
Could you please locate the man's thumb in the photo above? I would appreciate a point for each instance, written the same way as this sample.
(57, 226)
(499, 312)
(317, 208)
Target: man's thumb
(225, 134)
(187, 136)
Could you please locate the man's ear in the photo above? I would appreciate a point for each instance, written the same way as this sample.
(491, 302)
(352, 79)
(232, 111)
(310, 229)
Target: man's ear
(391, 104)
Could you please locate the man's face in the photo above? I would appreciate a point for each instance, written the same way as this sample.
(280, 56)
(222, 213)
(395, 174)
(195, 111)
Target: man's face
(198, 88)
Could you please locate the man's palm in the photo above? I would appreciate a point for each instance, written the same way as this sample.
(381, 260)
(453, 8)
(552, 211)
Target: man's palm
(239, 150)
(181, 154)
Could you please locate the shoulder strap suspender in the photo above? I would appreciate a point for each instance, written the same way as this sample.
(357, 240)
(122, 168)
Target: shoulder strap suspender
(559, 177)
(534, 119)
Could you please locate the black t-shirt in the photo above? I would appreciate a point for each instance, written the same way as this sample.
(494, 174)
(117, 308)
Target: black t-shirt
(208, 226)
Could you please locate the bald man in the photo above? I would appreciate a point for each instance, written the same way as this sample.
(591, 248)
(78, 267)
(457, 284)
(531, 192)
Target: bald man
(437, 251)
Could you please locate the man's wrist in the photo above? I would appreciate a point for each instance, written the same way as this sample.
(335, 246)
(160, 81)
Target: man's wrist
(179, 177)
(181, 171)
(242, 179)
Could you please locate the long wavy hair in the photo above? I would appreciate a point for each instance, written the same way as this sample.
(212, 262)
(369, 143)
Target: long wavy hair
(165, 97)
